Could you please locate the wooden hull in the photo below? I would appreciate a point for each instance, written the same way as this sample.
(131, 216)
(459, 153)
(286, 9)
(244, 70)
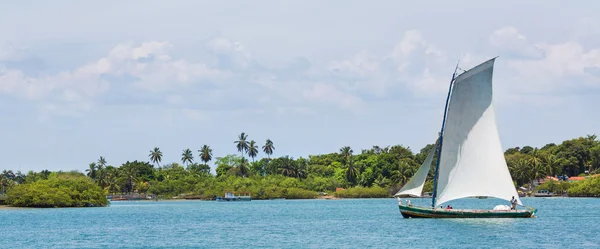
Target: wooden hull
(422, 212)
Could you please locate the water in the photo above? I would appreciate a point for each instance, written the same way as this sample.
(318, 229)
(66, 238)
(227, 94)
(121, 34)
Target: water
(358, 223)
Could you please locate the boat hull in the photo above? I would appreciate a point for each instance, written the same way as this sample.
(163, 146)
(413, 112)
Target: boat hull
(223, 199)
(422, 212)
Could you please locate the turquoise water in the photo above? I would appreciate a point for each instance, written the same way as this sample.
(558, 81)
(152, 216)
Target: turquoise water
(358, 223)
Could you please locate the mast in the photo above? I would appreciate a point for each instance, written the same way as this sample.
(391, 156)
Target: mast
(439, 150)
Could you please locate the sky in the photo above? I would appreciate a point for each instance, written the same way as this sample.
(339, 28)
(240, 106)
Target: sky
(80, 80)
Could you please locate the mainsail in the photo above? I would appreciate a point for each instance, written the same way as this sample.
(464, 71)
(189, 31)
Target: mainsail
(472, 161)
(414, 186)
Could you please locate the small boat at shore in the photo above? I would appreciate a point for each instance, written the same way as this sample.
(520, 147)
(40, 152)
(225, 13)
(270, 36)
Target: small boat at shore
(470, 160)
(543, 193)
(231, 196)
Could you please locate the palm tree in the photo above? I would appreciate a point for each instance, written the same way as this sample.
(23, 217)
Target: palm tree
(268, 148)
(205, 154)
(102, 178)
(112, 185)
(141, 186)
(242, 169)
(91, 171)
(100, 171)
(381, 181)
(131, 177)
(346, 153)
(101, 163)
(351, 173)
(252, 150)
(186, 156)
(535, 163)
(242, 144)
(551, 164)
(156, 156)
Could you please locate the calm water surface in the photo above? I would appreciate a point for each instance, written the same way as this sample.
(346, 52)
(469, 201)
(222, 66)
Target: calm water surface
(358, 223)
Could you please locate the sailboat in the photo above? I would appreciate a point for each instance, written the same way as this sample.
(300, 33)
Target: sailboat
(470, 161)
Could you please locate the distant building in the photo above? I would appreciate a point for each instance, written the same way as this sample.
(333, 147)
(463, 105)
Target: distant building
(576, 178)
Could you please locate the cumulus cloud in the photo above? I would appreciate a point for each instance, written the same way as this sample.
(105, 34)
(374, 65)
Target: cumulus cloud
(149, 64)
(153, 67)
(229, 54)
(511, 43)
(232, 76)
(564, 66)
(409, 64)
(362, 64)
(328, 93)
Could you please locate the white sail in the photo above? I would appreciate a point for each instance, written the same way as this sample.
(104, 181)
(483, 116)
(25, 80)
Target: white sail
(414, 186)
(472, 161)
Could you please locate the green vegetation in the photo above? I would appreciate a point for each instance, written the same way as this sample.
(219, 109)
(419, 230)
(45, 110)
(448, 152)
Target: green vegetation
(559, 188)
(360, 192)
(70, 189)
(374, 172)
(589, 187)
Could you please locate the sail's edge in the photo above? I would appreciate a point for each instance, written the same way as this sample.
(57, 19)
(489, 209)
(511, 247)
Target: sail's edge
(477, 69)
(414, 186)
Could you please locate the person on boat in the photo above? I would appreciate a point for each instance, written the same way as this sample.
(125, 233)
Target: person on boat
(448, 207)
(513, 203)
(408, 203)
(399, 201)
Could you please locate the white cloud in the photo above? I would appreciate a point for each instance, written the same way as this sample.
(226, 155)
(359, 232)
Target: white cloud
(329, 93)
(10, 51)
(564, 66)
(74, 86)
(509, 41)
(410, 63)
(362, 64)
(305, 97)
(154, 67)
(230, 54)
(149, 63)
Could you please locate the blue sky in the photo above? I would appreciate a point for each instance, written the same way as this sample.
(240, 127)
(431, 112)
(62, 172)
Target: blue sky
(80, 80)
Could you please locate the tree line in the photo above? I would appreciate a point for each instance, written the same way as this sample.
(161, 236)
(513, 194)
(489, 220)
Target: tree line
(385, 169)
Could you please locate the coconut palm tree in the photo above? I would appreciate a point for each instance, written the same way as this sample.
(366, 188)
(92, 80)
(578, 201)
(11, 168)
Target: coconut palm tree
(351, 173)
(129, 174)
(268, 148)
(187, 157)
(535, 164)
(346, 153)
(242, 144)
(156, 156)
(205, 153)
(381, 181)
(242, 168)
(101, 163)
(92, 171)
(101, 177)
(252, 150)
(551, 165)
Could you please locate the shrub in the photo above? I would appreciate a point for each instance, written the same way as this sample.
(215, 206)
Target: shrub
(360, 192)
(57, 192)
